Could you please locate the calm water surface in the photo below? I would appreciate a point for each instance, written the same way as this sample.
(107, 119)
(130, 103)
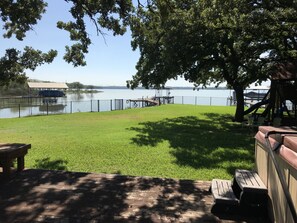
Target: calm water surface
(104, 101)
(139, 93)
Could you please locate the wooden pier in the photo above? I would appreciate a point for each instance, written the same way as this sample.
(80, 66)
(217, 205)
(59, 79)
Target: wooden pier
(146, 102)
(154, 101)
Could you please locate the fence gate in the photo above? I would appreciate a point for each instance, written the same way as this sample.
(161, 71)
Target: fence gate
(118, 104)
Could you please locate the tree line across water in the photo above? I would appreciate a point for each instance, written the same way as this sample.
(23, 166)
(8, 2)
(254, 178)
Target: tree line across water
(15, 88)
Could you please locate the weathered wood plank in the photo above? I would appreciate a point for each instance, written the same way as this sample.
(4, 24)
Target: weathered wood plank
(249, 181)
(11, 151)
(222, 192)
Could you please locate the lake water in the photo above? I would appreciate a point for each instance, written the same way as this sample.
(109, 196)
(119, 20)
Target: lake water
(106, 101)
(139, 93)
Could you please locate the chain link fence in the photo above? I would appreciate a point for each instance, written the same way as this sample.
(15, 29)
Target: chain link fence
(13, 108)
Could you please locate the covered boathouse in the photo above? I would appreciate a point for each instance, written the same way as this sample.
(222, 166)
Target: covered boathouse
(50, 91)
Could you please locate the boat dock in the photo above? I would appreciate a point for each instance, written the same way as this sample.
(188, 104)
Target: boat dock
(146, 102)
(155, 101)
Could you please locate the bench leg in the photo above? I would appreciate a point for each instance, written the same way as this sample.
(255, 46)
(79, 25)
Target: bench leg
(21, 163)
(7, 163)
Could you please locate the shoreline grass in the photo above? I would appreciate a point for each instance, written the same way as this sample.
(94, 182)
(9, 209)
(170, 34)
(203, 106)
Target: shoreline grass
(172, 141)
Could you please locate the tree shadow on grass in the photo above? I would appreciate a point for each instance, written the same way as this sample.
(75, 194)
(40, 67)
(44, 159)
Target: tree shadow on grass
(200, 143)
(60, 196)
(46, 163)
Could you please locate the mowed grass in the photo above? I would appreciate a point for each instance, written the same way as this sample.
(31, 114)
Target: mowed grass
(173, 141)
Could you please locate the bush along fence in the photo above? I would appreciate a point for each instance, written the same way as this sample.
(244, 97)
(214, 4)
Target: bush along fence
(47, 107)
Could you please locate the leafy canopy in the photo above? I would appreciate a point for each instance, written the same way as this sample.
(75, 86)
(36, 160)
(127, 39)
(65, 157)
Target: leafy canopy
(14, 63)
(211, 41)
(20, 16)
(110, 14)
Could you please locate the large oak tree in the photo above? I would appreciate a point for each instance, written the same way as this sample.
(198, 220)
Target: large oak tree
(212, 41)
(204, 41)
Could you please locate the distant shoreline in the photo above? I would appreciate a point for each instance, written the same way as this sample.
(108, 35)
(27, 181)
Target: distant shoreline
(170, 88)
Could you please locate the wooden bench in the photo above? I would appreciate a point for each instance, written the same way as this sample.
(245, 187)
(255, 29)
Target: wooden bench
(11, 151)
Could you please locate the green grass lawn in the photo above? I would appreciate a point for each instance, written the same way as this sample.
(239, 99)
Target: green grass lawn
(175, 141)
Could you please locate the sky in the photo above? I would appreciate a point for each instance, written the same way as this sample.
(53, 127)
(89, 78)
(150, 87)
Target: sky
(110, 62)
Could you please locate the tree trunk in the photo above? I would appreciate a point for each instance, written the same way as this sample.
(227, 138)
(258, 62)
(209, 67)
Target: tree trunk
(239, 114)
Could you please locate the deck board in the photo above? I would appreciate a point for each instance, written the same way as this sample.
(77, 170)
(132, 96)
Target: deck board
(222, 192)
(249, 181)
(49, 196)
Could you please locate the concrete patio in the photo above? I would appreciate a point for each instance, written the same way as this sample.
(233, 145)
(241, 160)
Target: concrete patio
(35, 195)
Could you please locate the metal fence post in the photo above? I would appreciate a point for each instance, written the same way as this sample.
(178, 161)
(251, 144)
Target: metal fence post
(118, 104)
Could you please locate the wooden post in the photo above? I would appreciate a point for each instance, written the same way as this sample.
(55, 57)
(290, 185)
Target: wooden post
(20, 163)
(7, 163)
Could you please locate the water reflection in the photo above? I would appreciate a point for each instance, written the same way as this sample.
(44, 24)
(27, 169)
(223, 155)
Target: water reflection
(75, 96)
(16, 109)
(52, 108)
(101, 101)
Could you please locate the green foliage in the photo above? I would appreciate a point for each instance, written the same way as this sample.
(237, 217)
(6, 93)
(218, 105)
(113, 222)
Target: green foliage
(174, 141)
(20, 16)
(75, 86)
(112, 15)
(14, 63)
(14, 88)
(212, 41)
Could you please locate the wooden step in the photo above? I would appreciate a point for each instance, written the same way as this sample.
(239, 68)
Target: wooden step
(249, 181)
(222, 192)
